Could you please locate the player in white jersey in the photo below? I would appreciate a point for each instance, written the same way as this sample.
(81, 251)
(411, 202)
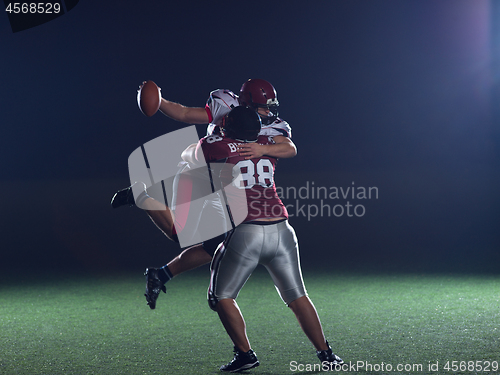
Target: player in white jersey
(255, 93)
(221, 102)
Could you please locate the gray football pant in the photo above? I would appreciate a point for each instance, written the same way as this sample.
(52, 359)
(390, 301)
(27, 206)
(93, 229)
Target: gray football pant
(274, 246)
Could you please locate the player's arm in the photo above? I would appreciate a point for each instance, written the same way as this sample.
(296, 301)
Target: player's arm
(193, 154)
(283, 148)
(179, 112)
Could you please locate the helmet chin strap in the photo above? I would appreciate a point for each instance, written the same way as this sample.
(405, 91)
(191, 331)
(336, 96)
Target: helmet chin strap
(268, 120)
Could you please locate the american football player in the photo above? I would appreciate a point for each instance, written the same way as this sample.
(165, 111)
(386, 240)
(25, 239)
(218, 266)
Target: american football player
(265, 237)
(257, 94)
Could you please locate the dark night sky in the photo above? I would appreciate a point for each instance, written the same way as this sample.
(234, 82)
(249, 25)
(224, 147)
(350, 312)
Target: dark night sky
(398, 95)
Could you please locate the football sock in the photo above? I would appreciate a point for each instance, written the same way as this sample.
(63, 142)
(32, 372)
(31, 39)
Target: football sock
(166, 275)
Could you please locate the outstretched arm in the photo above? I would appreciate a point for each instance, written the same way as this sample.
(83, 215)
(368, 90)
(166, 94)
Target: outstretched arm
(283, 148)
(179, 112)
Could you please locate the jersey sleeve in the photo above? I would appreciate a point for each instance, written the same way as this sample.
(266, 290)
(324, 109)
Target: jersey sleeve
(278, 127)
(219, 103)
(206, 149)
(214, 148)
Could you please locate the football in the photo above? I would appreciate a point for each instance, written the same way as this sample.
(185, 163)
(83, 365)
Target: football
(149, 98)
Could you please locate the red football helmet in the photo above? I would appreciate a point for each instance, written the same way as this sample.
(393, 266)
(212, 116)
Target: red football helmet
(258, 93)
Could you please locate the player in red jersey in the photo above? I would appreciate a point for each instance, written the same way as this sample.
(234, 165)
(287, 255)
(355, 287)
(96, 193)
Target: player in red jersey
(265, 237)
(255, 93)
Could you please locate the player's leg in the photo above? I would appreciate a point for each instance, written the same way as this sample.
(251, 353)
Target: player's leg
(161, 216)
(191, 220)
(164, 220)
(192, 257)
(189, 259)
(285, 270)
(287, 276)
(232, 320)
(309, 321)
(177, 190)
(156, 278)
(159, 213)
(170, 220)
(229, 272)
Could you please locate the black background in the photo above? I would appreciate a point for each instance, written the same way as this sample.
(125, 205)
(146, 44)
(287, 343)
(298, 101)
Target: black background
(398, 95)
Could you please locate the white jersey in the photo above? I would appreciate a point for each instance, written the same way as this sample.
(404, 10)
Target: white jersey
(221, 102)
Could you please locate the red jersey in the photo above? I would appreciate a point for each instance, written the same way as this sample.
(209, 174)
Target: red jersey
(256, 176)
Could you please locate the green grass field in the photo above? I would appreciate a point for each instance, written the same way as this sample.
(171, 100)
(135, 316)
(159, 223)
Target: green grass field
(98, 325)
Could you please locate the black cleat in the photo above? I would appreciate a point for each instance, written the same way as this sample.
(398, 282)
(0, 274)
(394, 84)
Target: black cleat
(153, 287)
(124, 197)
(329, 356)
(241, 361)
